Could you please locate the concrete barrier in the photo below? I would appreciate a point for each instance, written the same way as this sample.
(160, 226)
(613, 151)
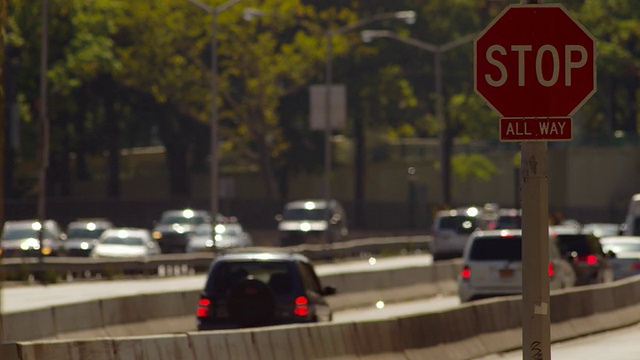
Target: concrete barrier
(471, 330)
(28, 325)
(79, 318)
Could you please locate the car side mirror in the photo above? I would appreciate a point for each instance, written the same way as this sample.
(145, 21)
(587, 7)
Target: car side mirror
(278, 217)
(611, 254)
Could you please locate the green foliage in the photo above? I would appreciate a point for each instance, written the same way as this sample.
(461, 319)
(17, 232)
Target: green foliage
(478, 166)
(152, 60)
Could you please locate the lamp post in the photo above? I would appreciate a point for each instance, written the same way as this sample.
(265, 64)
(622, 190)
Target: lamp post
(408, 17)
(437, 50)
(44, 129)
(214, 105)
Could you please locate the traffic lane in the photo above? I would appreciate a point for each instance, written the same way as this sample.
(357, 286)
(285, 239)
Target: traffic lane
(23, 298)
(621, 344)
(380, 310)
(187, 323)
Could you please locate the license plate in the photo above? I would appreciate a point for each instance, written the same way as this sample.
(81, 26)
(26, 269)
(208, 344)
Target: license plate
(506, 273)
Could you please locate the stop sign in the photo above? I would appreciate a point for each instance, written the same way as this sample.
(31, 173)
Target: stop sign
(535, 61)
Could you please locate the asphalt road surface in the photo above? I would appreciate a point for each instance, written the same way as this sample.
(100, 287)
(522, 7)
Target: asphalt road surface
(621, 344)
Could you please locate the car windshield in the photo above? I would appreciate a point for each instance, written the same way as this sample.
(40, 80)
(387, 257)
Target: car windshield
(621, 247)
(23, 233)
(459, 223)
(116, 240)
(230, 273)
(304, 214)
(84, 233)
(496, 248)
(177, 219)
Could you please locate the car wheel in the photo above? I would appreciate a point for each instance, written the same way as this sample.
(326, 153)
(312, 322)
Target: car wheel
(251, 303)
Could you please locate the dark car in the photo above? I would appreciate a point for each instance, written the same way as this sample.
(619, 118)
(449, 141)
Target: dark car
(173, 229)
(585, 253)
(258, 287)
(82, 235)
(312, 221)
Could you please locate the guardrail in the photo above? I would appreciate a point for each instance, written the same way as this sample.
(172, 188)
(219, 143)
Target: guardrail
(56, 269)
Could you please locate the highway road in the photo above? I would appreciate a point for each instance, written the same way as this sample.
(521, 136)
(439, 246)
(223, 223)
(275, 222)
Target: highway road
(621, 344)
(21, 298)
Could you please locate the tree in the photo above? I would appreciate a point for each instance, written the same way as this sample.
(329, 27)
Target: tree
(616, 26)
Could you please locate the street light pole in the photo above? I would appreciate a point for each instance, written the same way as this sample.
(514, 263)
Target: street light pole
(213, 157)
(407, 16)
(44, 127)
(437, 50)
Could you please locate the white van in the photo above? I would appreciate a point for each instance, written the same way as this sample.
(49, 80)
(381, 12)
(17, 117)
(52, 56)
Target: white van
(631, 224)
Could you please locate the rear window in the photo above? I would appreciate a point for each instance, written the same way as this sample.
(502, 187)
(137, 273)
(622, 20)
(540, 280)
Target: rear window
(227, 274)
(509, 222)
(460, 224)
(489, 248)
(579, 243)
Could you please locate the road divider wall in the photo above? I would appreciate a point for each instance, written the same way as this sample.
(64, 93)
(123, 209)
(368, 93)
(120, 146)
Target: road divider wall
(470, 330)
(128, 316)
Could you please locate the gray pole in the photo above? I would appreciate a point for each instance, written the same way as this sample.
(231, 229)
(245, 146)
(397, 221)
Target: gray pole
(214, 123)
(213, 150)
(327, 131)
(445, 162)
(442, 128)
(44, 127)
(536, 334)
(535, 252)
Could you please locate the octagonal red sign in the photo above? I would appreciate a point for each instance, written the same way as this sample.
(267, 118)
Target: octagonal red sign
(535, 61)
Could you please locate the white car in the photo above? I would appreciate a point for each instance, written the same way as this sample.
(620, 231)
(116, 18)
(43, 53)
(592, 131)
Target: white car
(227, 235)
(492, 265)
(624, 254)
(125, 243)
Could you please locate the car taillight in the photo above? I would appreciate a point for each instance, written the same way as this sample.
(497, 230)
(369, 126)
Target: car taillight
(465, 273)
(635, 266)
(203, 307)
(302, 306)
(551, 270)
(589, 259)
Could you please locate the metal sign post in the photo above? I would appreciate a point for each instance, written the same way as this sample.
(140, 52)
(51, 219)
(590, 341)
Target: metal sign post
(536, 337)
(535, 77)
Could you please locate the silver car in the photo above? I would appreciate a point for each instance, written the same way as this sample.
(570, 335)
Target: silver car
(492, 265)
(227, 235)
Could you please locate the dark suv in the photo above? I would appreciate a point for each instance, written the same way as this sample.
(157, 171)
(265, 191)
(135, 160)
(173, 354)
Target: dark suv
(585, 253)
(258, 287)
